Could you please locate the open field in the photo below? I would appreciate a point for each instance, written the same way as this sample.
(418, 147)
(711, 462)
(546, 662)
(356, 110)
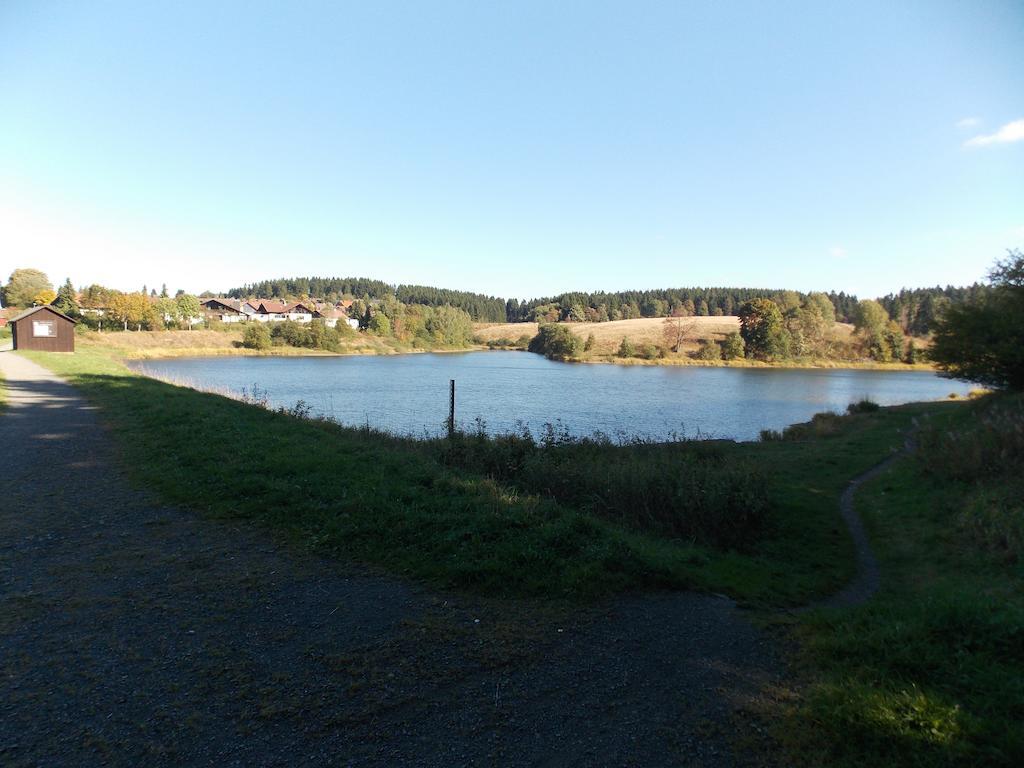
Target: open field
(607, 336)
(650, 331)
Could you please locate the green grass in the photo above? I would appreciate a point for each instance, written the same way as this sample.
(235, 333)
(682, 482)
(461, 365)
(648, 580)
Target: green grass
(930, 672)
(398, 504)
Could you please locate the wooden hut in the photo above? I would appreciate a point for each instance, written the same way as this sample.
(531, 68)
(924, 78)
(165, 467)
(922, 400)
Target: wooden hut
(44, 329)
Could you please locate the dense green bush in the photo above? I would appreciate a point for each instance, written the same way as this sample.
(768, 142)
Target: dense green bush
(557, 342)
(256, 336)
(626, 348)
(732, 346)
(314, 335)
(864, 405)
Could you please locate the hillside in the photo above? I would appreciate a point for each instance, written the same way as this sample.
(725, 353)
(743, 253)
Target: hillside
(644, 330)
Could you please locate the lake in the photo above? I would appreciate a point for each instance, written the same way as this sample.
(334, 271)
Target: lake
(408, 394)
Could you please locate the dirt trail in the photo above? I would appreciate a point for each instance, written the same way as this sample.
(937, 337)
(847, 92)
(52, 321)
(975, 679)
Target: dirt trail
(135, 633)
(868, 578)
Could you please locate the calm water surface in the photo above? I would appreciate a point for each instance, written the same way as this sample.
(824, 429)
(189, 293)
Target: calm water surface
(409, 393)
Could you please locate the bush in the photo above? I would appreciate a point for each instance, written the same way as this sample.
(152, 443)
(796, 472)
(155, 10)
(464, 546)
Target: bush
(380, 325)
(649, 352)
(864, 405)
(823, 424)
(589, 343)
(732, 346)
(556, 342)
(626, 348)
(256, 336)
(709, 350)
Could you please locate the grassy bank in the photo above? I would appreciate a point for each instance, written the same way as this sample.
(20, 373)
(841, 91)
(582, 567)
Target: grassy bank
(422, 509)
(140, 345)
(930, 672)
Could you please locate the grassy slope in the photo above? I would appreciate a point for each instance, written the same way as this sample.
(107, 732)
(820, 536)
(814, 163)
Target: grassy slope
(649, 330)
(930, 672)
(388, 502)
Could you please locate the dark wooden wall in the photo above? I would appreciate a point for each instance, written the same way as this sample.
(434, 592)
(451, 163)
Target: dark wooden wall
(64, 341)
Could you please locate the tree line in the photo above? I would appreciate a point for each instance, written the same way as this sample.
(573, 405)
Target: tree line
(915, 310)
(139, 310)
(480, 308)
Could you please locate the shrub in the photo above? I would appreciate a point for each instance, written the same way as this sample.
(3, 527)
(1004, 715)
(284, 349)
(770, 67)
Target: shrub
(649, 352)
(589, 343)
(732, 346)
(380, 325)
(709, 350)
(256, 336)
(823, 424)
(556, 342)
(864, 405)
(626, 348)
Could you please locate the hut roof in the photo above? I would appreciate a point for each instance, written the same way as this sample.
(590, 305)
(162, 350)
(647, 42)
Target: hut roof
(33, 310)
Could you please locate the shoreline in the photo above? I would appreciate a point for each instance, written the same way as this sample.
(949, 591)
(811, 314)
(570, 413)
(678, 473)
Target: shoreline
(836, 365)
(146, 347)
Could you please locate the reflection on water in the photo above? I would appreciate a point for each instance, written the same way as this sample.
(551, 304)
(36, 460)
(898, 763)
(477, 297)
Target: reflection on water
(409, 393)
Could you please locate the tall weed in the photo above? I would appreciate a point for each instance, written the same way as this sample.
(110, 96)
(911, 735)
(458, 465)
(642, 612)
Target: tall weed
(678, 489)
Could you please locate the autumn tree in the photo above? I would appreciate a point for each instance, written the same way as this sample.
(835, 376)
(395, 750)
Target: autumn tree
(761, 326)
(881, 337)
(44, 297)
(24, 286)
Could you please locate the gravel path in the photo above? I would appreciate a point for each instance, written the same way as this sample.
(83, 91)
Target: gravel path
(135, 633)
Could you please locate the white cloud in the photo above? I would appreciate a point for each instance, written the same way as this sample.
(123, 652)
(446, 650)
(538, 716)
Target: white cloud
(1008, 134)
(837, 252)
(968, 122)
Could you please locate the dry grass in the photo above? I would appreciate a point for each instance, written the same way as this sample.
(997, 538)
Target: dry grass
(646, 330)
(608, 336)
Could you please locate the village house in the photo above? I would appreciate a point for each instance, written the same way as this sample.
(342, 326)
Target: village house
(272, 311)
(228, 310)
(333, 316)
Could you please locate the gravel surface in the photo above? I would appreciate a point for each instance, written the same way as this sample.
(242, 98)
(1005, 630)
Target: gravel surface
(134, 633)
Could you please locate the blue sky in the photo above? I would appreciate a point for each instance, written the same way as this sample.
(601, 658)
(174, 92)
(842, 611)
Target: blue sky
(517, 149)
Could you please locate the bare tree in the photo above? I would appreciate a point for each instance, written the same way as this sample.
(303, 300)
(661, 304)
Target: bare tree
(676, 330)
